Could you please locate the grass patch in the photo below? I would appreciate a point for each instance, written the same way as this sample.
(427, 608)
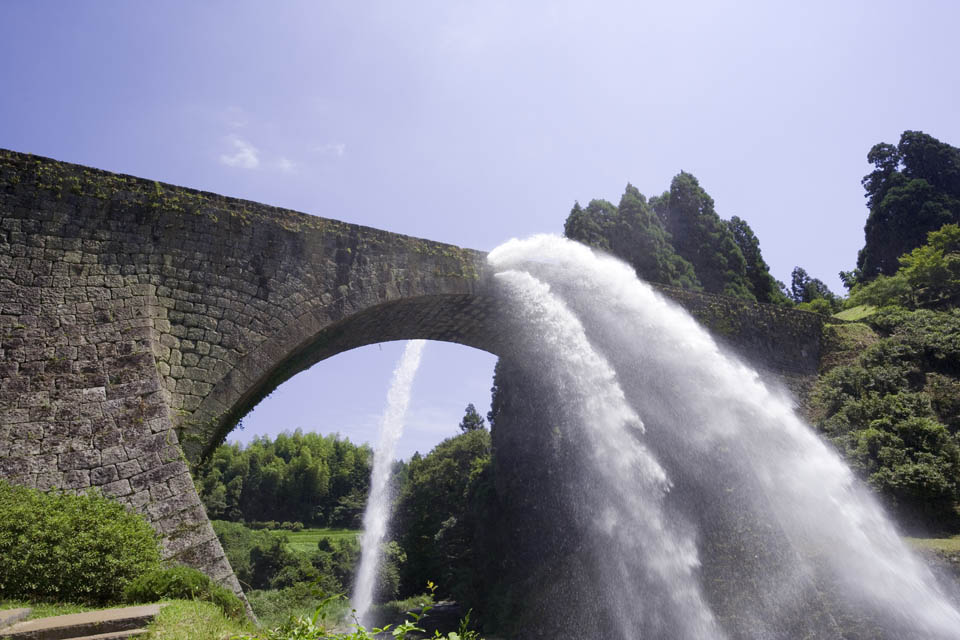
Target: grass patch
(48, 609)
(943, 545)
(195, 620)
(307, 539)
(855, 314)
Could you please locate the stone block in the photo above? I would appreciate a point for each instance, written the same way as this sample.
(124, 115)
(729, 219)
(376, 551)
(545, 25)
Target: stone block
(159, 492)
(79, 460)
(169, 506)
(104, 475)
(128, 468)
(156, 475)
(138, 499)
(78, 479)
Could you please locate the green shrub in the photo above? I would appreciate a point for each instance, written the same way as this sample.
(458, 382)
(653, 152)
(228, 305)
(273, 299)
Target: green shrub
(276, 606)
(76, 548)
(894, 414)
(183, 583)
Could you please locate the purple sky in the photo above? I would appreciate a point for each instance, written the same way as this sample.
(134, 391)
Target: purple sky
(471, 123)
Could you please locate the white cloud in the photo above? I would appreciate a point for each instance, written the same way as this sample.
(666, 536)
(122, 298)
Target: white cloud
(286, 164)
(244, 156)
(333, 149)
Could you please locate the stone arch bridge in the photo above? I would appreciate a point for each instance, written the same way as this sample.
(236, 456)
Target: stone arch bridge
(139, 321)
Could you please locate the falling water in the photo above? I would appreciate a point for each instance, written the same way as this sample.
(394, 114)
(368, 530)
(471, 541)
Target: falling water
(378, 504)
(681, 436)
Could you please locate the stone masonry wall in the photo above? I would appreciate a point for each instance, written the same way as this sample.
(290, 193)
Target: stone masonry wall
(139, 321)
(776, 340)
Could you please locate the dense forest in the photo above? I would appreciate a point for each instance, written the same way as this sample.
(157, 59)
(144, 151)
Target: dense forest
(887, 397)
(298, 477)
(260, 493)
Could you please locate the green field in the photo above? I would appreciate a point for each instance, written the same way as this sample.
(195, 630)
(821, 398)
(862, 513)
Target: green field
(307, 539)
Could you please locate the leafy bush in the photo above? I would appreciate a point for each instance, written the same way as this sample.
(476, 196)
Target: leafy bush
(80, 548)
(929, 276)
(314, 627)
(276, 606)
(894, 413)
(822, 306)
(184, 583)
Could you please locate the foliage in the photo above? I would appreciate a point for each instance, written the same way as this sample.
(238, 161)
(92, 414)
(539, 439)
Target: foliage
(182, 583)
(315, 627)
(892, 411)
(914, 189)
(634, 233)
(929, 276)
(702, 238)
(299, 477)
(818, 305)
(434, 516)
(79, 548)
(679, 240)
(471, 419)
(803, 288)
(397, 609)
(763, 286)
(274, 607)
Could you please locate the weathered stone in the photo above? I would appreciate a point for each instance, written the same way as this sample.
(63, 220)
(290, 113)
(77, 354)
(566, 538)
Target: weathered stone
(87, 459)
(128, 469)
(104, 475)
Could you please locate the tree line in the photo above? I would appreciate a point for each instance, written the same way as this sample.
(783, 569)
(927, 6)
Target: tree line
(300, 477)
(678, 239)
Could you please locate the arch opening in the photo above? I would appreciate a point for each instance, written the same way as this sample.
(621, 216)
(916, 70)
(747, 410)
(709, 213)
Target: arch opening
(467, 319)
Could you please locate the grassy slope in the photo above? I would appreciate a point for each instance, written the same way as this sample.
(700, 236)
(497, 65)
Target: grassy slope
(855, 314)
(195, 620)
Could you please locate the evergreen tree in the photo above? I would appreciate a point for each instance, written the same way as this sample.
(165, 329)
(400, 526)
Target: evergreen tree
(763, 286)
(913, 190)
(702, 238)
(590, 226)
(678, 239)
(471, 420)
(640, 239)
(803, 288)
